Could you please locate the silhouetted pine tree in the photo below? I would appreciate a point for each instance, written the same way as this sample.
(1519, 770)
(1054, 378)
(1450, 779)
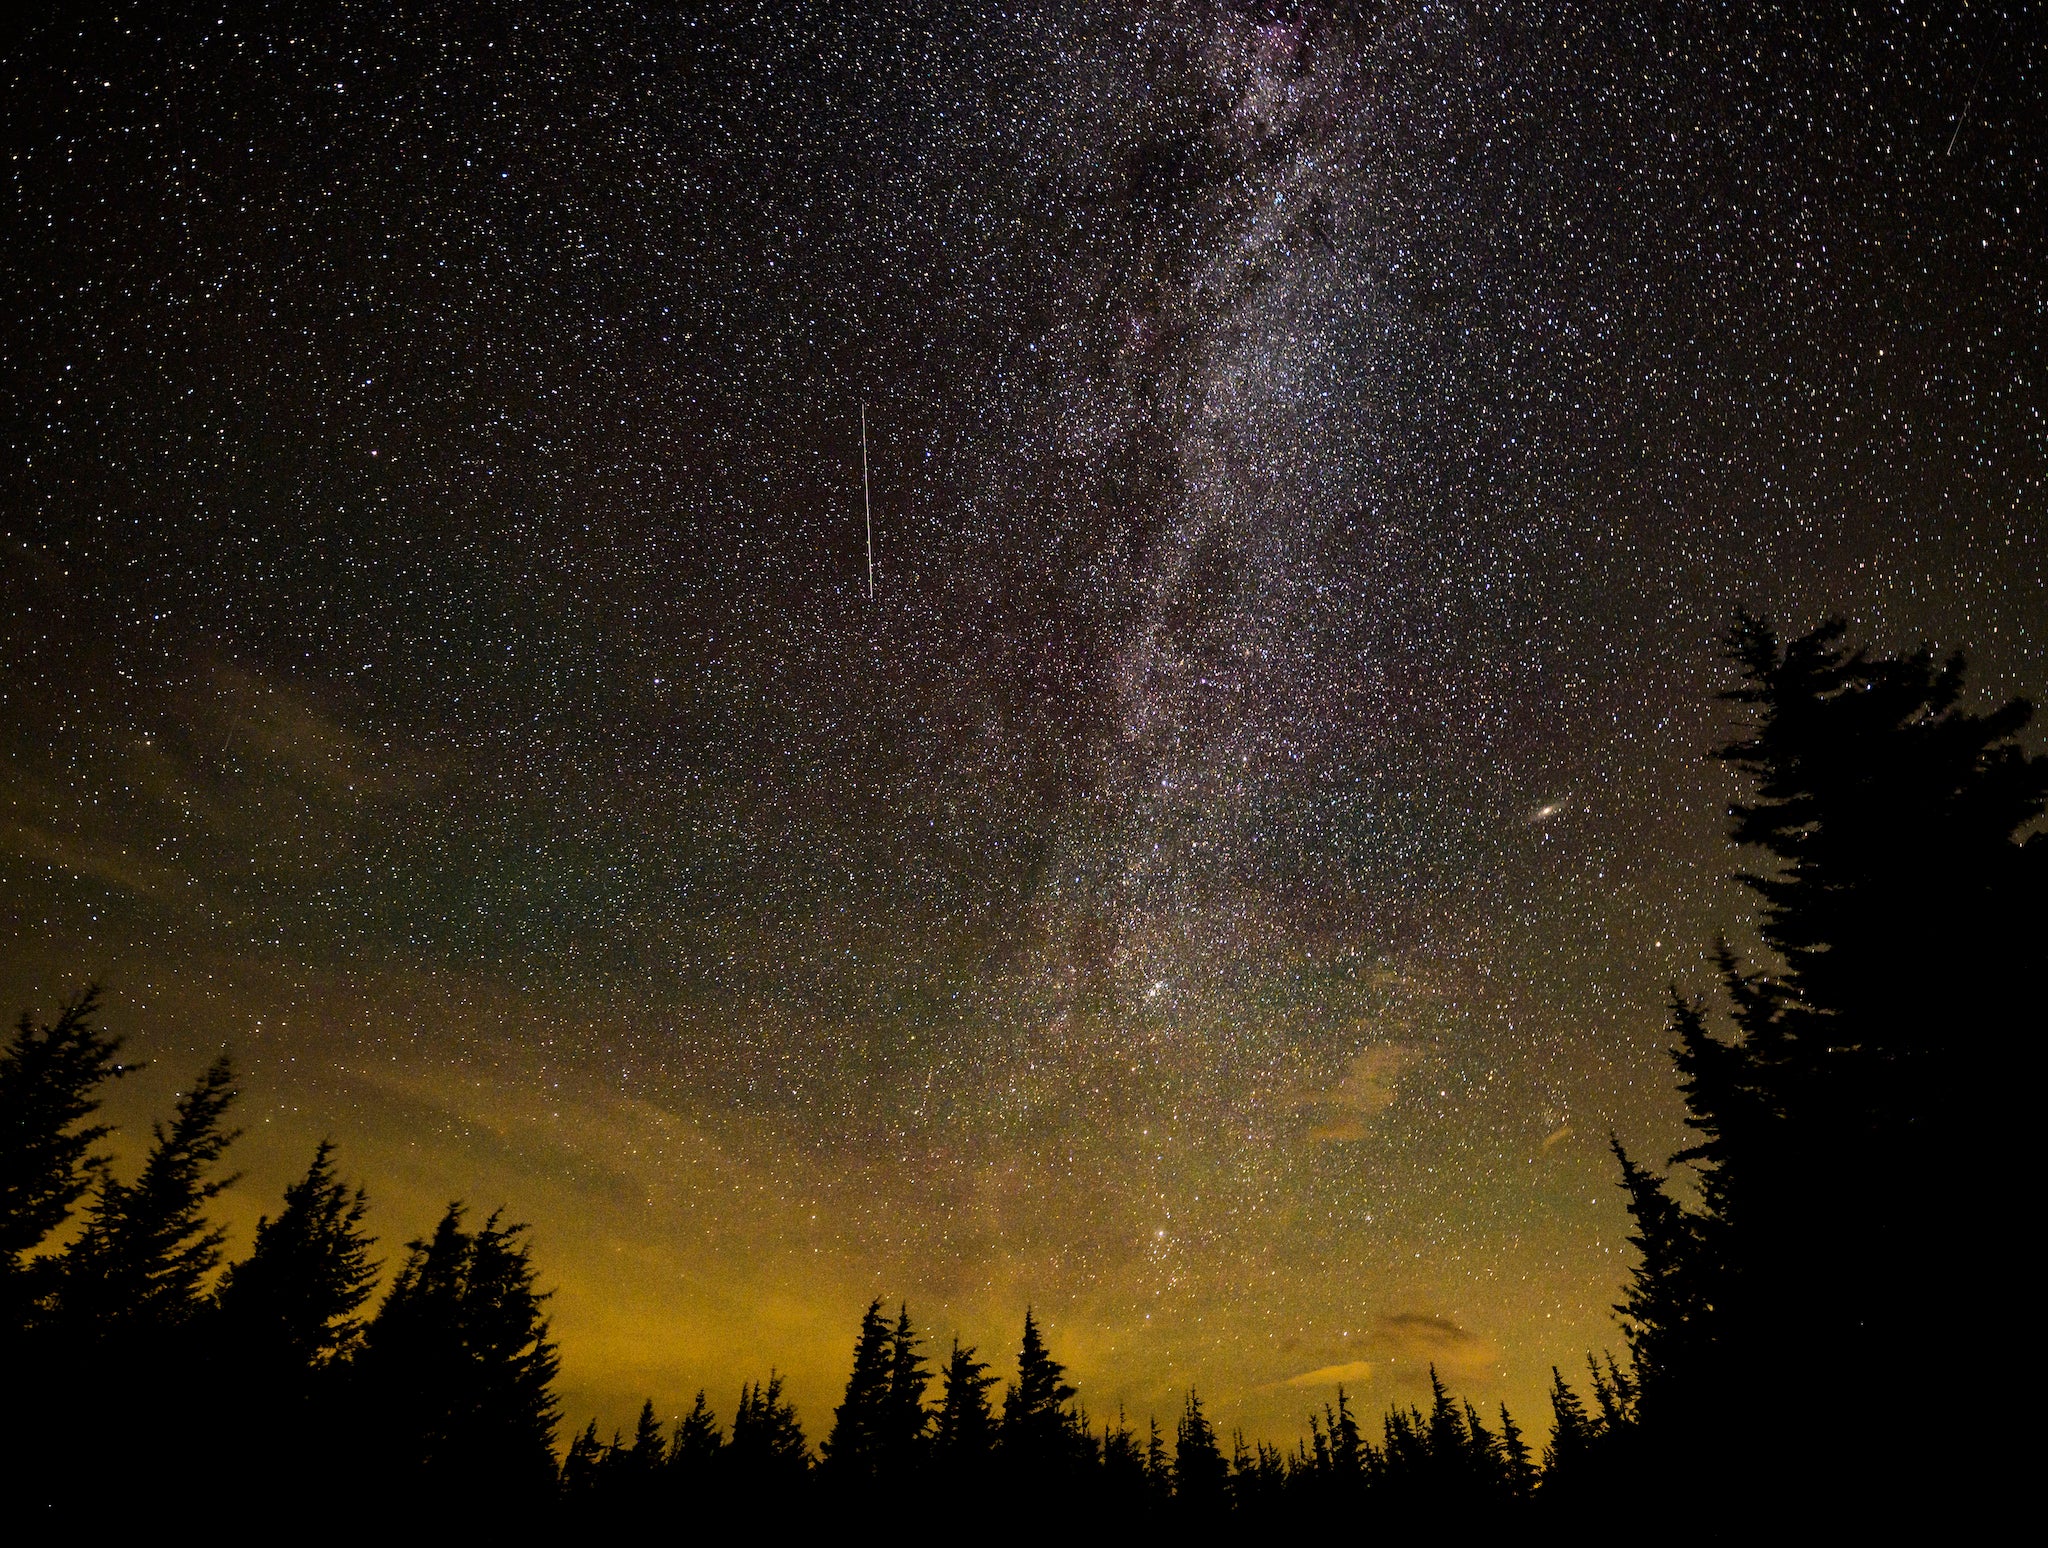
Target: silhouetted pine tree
(1570, 1451)
(1036, 1432)
(1406, 1449)
(291, 1306)
(852, 1451)
(905, 1422)
(1347, 1446)
(693, 1451)
(1614, 1391)
(1487, 1471)
(1200, 1475)
(140, 1266)
(284, 1321)
(1158, 1470)
(1316, 1458)
(50, 1080)
(966, 1431)
(456, 1373)
(1894, 818)
(1258, 1481)
(648, 1450)
(1082, 1457)
(1904, 898)
(1345, 1461)
(963, 1439)
(1518, 1468)
(767, 1461)
(116, 1336)
(629, 1484)
(581, 1470)
(1449, 1448)
(1126, 1496)
(1665, 1308)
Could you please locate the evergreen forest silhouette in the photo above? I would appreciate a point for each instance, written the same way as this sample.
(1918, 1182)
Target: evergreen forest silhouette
(1771, 1324)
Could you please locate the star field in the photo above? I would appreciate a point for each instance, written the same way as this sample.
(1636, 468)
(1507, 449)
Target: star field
(1222, 889)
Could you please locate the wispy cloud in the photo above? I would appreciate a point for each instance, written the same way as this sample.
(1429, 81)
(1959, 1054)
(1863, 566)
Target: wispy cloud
(110, 863)
(1399, 1349)
(1370, 1085)
(1349, 1373)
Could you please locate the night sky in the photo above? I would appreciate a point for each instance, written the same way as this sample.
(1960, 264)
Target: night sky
(1221, 889)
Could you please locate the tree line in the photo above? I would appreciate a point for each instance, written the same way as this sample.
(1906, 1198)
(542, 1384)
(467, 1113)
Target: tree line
(1834, 1089)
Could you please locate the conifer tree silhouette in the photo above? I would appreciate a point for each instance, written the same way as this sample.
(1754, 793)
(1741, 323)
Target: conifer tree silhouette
(1665, 1308)
(1445, 1441)
(1034, 1408)
(118, 1331)
(1315, 1458)
(1571, 1435)
(694, 1448)
(1486, 1473)
(647, 1450)
(1258, 1480)
(284, 1322)
(1125, 1495)
(965, 1434)
(905, 1422)
(457, 1370)
(1158, 1470)
(963, 1438)
(632, 1475)
(292, 1304)
(1903, 898)
(1517, 1466)
(852, 1451)
(767, 1457)
(1200, 1475)
(1406, 1455)
(142, 1262)
(1346, 1456)
(50, 1080)
(1043, 1442)
(582, 1468)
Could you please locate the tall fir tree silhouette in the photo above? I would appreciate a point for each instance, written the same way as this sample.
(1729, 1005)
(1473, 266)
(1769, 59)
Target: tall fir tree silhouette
(1518, 1466)
(1200, 1475)
(50, 1080)
(1034, 1407)
(693, 1453)
(118, 1333)
(852, 1449)
(141, 1264)
(1037, 1426)
(906, 1423)
(457, 1370)
(963, 1439)
(767, 1457)
(1903, 897)
(285, 1321)
(292, 1305)
(965, 1432)
(1571, 1435)
(1158, 1467)
(583, 1471)
(1125, 1495)
(1348, 1454)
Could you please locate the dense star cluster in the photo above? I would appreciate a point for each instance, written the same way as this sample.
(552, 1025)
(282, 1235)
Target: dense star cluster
(1221, 889)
